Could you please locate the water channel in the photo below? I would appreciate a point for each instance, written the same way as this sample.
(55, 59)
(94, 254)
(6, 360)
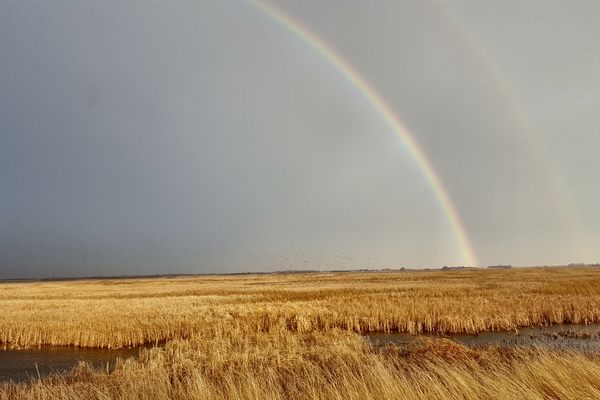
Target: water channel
(563, 336)
(25, 365)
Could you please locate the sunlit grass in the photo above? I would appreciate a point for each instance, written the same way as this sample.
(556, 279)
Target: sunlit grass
(233, 364)
(296, 336)
(132, 312)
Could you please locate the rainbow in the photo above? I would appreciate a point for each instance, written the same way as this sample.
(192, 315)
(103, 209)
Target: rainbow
(505, 89)
(387, 113)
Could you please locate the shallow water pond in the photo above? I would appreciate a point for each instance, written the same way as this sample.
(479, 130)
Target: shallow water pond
(24, 365)
(563, 336)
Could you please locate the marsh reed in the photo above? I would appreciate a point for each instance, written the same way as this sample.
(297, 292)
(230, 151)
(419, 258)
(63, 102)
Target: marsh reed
(117, 313)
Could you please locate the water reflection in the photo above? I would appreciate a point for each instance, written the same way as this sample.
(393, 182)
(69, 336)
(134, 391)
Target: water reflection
(24, 365)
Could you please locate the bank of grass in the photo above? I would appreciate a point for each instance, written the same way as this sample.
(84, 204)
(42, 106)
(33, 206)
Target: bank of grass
(296, 336)
(117, 313)
(230, 364)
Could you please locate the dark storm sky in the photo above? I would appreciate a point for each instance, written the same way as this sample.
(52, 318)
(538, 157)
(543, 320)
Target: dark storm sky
(141, 137)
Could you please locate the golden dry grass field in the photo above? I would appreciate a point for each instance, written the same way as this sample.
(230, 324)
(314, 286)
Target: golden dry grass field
(297, 335)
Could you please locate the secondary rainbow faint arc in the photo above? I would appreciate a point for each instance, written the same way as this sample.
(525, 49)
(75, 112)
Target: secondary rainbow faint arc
(386, 112)
(504, 87)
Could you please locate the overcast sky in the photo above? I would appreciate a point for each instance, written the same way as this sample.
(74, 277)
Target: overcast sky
(142, 137)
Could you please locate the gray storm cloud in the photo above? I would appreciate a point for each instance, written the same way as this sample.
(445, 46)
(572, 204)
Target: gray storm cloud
(151, 137)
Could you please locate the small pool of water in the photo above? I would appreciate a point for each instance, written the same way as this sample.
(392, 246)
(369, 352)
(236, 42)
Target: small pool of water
(24, 365)
(564, 336)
